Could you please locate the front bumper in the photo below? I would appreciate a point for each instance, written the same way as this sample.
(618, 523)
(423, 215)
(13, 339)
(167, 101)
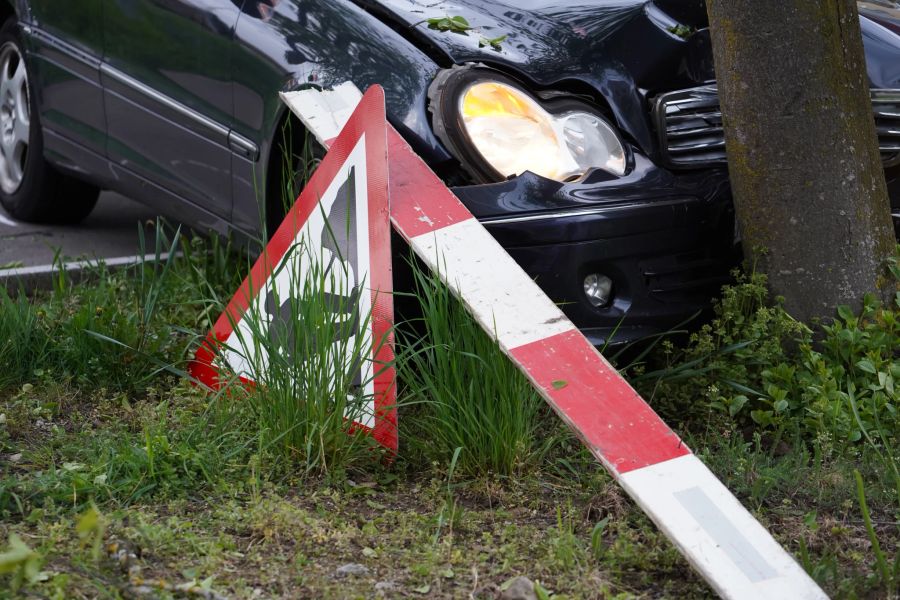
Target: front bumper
(667, 242)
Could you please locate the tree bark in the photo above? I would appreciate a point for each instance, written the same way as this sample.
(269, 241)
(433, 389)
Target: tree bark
(806, 173)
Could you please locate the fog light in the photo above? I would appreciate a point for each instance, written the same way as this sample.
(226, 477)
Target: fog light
(598, 289)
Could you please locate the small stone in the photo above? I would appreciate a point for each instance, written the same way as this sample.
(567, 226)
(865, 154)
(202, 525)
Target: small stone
(354, 569)
(382, 588)
(15, 458)
(518, 588)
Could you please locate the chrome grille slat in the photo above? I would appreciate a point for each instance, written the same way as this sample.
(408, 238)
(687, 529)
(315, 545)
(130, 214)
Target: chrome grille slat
(689, 125)
(707, 145)
(676, 118)
(683, 133)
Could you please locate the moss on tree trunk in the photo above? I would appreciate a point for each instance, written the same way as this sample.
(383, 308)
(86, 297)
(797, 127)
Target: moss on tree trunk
(809, 189)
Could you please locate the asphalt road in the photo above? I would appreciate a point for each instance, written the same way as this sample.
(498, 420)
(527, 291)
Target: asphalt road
(110, 234)
(111, 231)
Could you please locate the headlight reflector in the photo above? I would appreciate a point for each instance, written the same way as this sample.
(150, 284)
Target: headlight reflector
(593, 143)
(513, 133)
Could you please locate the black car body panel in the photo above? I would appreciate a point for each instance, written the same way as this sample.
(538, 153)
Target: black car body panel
(67, 49)
(175, 103)
(322, 44)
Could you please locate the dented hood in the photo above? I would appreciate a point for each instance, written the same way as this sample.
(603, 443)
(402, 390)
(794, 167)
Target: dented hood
(622, 49)
(547, 40)
(625, 50)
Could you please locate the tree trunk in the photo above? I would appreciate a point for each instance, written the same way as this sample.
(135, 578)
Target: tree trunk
(809, 188)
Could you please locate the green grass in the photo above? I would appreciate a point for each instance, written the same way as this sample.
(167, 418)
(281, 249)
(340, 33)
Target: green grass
(117, 474)
(311, 379)
(465, 394)
(209, 514)
(63, 334)
(22, 340)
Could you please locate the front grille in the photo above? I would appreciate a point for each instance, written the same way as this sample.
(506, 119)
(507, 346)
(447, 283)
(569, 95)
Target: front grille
(887, 122)
(689, 125)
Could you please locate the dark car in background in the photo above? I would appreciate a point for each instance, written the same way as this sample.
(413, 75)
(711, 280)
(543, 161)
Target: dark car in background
(585, 135)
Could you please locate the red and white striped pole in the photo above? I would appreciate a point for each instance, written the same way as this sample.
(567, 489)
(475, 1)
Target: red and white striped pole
(720, 538)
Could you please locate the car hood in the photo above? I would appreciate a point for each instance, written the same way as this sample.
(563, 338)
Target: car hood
(581, 45)
(625, 50)
(553, 39)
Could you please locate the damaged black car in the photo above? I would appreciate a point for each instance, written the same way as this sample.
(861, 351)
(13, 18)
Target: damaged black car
(586, 136)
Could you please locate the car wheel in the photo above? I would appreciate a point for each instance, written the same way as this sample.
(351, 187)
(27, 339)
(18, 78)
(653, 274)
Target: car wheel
(295, 157)
(30, 188)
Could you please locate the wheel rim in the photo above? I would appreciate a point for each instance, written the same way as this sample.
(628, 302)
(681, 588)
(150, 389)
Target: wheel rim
(15, 118)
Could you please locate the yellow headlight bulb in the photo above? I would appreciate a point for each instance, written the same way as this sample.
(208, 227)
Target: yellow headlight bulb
(510, 130)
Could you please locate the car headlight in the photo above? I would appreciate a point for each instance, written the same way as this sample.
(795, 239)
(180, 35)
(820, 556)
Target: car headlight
(498, 129)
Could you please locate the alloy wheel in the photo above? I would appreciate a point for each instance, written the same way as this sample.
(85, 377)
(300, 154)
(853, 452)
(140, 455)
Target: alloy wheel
(15, 118)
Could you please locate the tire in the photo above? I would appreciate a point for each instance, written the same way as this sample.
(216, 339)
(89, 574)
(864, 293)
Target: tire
(30, 188)
(294, 158)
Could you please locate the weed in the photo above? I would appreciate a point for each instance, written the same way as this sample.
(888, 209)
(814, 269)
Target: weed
(451, 512)
(889, 573)
(149, 311)
(304, 346)
(597, 537)
(23, 563)
(23, 342)
(792, 403)
(762, 369)
(565, 547)
(91, 527)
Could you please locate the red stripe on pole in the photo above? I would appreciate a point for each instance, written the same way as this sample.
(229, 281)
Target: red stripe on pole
(419, 200)
(593, 398)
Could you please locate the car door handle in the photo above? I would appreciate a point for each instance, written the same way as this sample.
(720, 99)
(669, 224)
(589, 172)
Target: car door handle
(242, 146)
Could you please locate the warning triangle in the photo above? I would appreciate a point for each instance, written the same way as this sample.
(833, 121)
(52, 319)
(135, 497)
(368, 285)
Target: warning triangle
(320, 294)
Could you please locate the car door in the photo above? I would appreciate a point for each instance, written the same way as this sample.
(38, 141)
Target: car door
(65, 42)
(168, 94)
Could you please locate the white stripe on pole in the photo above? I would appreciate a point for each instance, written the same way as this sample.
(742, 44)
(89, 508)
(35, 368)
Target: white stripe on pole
(325, 114)
(490, 283)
